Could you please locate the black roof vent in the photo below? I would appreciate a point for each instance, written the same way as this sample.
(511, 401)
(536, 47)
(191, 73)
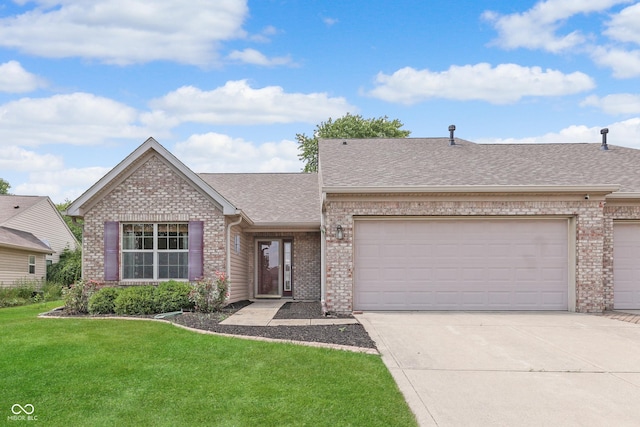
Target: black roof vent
(452, 129)
(604, 133)
(344, 142)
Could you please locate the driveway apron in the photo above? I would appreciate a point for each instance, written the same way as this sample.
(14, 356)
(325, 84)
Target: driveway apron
(512, 368)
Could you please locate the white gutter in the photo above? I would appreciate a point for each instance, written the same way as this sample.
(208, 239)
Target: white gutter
(323, 261)
(622, 195)
(228, 267)
(475, 189)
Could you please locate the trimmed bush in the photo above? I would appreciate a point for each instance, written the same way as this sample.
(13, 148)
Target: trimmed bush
(136, 300)
(173, 296)
(103, 301)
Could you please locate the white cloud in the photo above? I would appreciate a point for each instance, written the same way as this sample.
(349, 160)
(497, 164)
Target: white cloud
(77, 118)
(16, 158)
(506, 83)
(329, 22)
(237, 103)
(537, 27)
(624, 26)
(618, 103)
(254, 57)
(216, 153)
(126, 31)
(62, 184)
(625, 133)
(625, 64)
(265, 35)
(15, 79)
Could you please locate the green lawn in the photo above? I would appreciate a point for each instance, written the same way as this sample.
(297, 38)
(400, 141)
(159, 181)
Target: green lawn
(136, 373)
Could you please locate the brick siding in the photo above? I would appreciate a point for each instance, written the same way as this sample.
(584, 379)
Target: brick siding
(154, 192)
(306, 263)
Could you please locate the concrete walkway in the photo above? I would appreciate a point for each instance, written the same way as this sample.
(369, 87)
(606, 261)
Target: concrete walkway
(261, 313)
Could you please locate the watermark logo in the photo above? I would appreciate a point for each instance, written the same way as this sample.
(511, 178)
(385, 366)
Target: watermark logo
(22, 413)
(18, 409)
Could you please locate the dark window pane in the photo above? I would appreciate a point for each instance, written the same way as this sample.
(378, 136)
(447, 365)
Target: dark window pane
(163, 272)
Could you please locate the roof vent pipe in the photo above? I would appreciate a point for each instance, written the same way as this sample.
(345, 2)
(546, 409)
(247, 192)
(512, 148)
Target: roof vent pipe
(452, 128)
(604, 133)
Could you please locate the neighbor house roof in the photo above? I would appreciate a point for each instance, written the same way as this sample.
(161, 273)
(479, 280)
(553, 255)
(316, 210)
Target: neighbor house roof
(11, 206)
(273, 199)
(432, 162)
(18, 239)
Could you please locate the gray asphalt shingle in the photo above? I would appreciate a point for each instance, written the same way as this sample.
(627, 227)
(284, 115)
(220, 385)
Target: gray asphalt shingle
(431, 161)
(270, 197)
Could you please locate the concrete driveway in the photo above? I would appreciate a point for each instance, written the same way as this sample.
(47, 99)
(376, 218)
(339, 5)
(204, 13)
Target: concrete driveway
(512, 369)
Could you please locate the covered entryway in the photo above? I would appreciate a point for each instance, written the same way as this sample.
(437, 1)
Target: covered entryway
(626, 265)
(461, 264)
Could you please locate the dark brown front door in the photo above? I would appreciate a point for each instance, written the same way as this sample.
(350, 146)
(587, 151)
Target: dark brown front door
(274, 268)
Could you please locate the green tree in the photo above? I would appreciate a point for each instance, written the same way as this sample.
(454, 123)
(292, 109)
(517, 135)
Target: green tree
(75, 227)
(348, 126)
(4, 186)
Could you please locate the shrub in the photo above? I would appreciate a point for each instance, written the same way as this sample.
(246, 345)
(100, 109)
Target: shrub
(136, 300)
(9, 298)
(103, 301)
(76, 296)
(173, 296)
(26, 291)
(51, 291)
(68, 270)
(209, 295)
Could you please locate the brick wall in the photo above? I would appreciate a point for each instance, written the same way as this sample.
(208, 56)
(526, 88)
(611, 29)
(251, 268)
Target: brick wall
(154, 192)
(306, 263)
(589, 222)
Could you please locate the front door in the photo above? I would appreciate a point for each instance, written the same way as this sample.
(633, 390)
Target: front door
(274, 268)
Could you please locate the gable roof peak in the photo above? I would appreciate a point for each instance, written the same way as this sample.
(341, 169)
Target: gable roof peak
(75, 209)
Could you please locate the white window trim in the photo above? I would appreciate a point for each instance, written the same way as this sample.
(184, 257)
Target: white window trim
(155, 252)
(32, 264)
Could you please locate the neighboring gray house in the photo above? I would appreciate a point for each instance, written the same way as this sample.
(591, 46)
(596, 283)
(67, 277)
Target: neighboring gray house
(385, 224)
(32, 235)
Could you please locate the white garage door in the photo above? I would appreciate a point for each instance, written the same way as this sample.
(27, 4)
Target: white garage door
(483, 264)
(626, 266)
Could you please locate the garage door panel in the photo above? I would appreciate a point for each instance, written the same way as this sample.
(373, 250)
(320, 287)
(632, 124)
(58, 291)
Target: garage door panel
(497, 264)
(626, 266)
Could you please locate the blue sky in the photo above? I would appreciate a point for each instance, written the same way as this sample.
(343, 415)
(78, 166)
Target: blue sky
(226, 85)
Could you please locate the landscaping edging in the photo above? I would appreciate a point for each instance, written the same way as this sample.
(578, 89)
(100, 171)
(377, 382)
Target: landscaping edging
(334, 346)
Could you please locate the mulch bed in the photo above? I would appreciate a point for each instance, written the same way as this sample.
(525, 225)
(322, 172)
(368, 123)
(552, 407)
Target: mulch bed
(350, 335)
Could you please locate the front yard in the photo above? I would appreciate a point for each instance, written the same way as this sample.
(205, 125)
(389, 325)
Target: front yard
(126, 372)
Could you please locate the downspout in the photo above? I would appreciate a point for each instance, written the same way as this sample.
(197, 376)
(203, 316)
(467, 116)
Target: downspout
(228, 267)
(323, 261)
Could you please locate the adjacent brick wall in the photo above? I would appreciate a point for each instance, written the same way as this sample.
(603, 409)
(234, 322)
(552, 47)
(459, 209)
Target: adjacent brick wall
(154, 192)
(590, 234)
(306, 263)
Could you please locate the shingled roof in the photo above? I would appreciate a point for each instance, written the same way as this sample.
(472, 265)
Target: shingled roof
(433, 162)
(10, 237)
(271, 198)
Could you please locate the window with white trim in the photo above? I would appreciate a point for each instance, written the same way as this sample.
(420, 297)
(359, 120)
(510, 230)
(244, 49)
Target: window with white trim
(32, 264)
(152, 251)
